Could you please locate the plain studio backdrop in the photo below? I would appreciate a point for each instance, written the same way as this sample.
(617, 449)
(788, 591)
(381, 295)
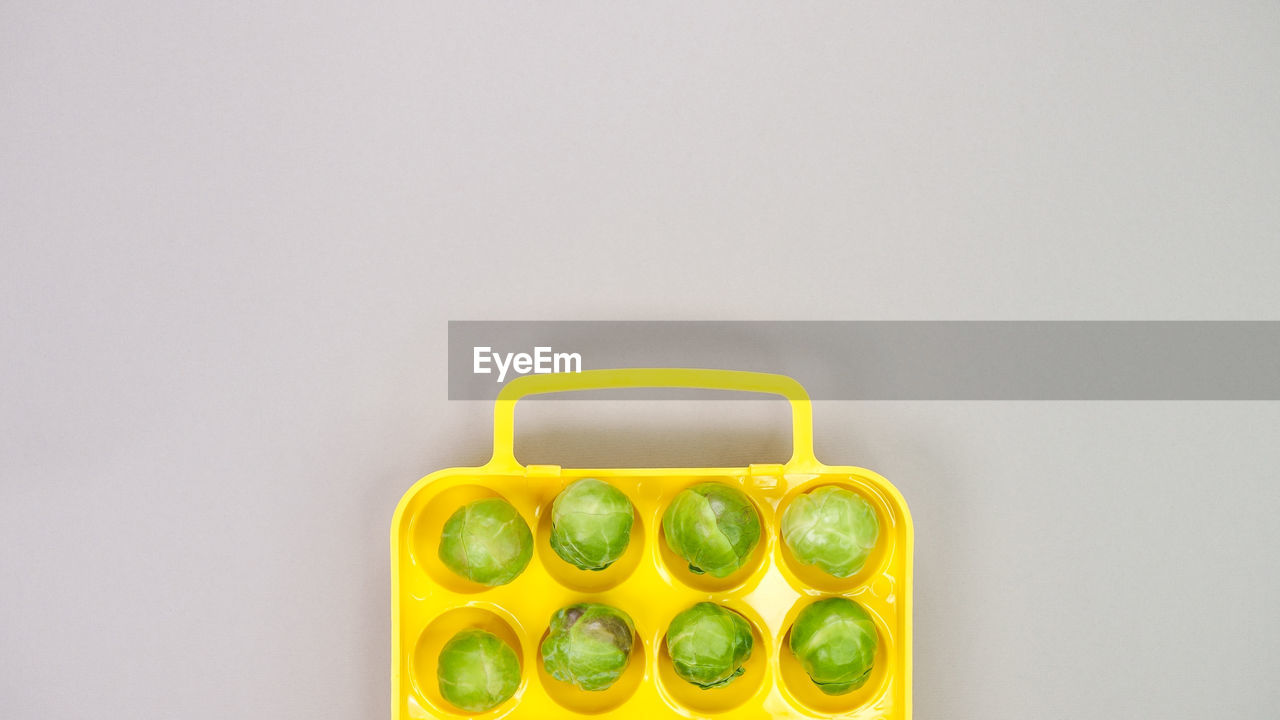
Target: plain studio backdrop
(233, 234)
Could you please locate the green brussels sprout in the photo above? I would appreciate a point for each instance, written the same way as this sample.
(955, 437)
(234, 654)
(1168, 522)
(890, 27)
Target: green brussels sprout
(486, 541)
(477, 671)
(832, 528)
(835, 642)
(713, 526)
(709, 644)
(591, 524)
(588, 645)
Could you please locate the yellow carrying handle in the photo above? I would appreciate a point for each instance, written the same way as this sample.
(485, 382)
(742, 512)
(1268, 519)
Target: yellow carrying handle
(794, 392)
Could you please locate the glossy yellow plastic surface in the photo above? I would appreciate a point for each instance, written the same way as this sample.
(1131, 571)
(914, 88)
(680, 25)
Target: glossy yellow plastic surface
(430, 603)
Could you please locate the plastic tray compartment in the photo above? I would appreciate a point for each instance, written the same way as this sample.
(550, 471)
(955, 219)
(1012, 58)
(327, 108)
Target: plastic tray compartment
(430, 603)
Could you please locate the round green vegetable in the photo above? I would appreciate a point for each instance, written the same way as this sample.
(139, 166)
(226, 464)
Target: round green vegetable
(835, 642)
(477, 671)
(588, 645)
(591, 524)
(486, 541)
(832, 528)
(709, 644)
(712, 526)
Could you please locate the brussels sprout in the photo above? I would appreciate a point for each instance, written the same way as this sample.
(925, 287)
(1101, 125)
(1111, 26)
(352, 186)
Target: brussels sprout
(591, 524)
(708, 645)
(713, 526)
(486, 541)
(835, 642)
(477, 671)
(832, 528)
(588, 645)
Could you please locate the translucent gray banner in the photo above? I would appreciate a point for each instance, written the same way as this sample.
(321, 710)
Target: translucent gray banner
(865, 360)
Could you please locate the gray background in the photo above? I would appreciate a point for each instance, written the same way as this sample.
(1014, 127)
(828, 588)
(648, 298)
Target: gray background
(233, 234)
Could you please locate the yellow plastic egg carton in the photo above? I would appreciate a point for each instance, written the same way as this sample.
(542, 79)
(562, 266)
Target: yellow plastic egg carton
(650, 583)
